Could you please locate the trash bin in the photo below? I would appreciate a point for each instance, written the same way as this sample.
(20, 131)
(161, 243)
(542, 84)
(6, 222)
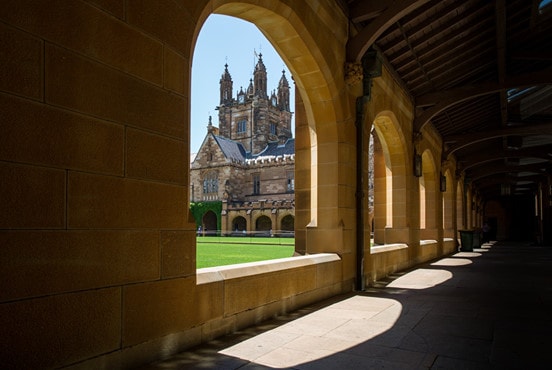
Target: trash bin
(476, 238)
(466, 240)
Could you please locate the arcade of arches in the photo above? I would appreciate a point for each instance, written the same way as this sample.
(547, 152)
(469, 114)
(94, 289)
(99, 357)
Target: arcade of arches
(98, 246)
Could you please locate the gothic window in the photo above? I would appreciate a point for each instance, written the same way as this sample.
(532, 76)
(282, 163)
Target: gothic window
(210, 183)
(242, 126)
(256, 184)
(290, 182)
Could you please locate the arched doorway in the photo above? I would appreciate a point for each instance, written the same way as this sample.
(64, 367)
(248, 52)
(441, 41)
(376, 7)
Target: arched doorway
(239, 224)
(287, 226)
(209, 222)
(263, 225)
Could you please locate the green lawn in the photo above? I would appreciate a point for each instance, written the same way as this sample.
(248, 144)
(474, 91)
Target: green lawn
(220, 251)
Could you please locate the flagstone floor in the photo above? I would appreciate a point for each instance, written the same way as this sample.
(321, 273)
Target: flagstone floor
(487, 309)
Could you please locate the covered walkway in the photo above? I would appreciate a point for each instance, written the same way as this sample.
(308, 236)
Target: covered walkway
(472, 310)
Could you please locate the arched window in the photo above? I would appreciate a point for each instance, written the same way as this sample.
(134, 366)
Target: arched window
(210, 183)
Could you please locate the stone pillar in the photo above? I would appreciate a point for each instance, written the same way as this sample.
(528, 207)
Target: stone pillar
(380, 193)
(302, 175)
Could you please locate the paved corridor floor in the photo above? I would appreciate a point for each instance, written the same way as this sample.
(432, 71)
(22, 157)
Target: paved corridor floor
(487, 309)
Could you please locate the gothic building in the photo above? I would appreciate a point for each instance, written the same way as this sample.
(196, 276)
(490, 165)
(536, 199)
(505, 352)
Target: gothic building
(247, 163)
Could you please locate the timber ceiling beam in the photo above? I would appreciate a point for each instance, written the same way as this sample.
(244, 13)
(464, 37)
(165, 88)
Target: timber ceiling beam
(491, 170)
(441, 100)
(362, 10)
(457, 142)
(507, 179)
(361, 42)
(485, 157)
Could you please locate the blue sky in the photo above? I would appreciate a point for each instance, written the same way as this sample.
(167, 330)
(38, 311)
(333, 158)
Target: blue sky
(225, 39)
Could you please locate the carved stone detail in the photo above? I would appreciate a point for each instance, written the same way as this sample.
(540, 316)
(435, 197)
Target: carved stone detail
(353, 73)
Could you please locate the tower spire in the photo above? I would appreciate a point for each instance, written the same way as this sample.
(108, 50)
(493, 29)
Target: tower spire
(226, 86)
(260, 78)
(283, 92)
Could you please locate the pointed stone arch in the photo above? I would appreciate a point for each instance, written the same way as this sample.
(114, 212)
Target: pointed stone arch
(390, 182)
(460, 207)
(287, 223)
(318, 74)
(209, 223)
(449, 204)
(263, 224)
(429, 197)
(239, 224)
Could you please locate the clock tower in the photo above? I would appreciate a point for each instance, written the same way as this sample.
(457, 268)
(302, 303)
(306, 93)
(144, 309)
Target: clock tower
(254, 118)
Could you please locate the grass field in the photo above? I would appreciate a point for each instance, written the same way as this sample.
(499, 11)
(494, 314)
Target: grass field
(219, 251)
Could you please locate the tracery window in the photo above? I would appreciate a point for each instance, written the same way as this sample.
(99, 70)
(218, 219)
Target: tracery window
(210, 183)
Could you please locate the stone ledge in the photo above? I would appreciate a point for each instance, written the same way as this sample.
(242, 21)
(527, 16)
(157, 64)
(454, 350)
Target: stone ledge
(221, 273)
(427, 242)
(388, 248)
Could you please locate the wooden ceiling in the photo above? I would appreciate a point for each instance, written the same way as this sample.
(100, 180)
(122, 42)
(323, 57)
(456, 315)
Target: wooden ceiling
(480, 71)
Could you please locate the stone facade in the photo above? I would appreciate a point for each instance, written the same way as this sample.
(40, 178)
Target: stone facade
(248, 162)
(98, 247)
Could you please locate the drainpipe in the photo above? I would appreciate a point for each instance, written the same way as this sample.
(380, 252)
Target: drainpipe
(371, 67)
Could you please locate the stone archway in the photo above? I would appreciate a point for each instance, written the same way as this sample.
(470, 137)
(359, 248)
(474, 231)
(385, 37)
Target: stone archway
(239, 224)
(447, 188)
(209, 222)
(428, 197)
(263, 225)
(390, 197)
(288, 223)
(318, 75)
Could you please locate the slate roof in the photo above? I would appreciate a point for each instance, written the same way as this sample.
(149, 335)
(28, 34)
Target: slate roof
(276, 149)
(235, 151)
(231, 149)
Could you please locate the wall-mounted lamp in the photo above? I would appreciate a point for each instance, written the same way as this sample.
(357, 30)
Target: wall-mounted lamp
(417, 165)
(443, 183)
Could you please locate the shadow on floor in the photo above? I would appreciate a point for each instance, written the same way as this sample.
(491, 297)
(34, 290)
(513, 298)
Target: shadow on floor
(487, 309)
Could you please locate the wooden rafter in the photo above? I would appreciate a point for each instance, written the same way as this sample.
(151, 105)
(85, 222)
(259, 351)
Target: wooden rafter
(444, 99)
(359, 44)
(455, 143)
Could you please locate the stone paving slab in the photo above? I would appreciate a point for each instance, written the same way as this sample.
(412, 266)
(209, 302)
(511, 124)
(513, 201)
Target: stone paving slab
(487, 309)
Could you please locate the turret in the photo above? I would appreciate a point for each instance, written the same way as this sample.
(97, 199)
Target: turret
(226, 85)
(212, 129)
(260, 79)
(283, 93)
(250, 90)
